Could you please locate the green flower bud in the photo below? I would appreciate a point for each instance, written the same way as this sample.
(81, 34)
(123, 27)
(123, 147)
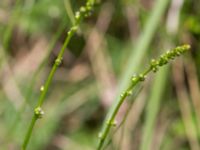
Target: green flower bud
(38, 112)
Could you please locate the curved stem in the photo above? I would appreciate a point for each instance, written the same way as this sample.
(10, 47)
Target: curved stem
(154, 66)
(29, 132)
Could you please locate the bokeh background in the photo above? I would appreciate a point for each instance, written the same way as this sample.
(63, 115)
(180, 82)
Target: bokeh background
(118, 40)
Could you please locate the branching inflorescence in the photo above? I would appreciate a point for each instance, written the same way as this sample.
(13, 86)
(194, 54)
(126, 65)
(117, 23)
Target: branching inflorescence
(154, 66)
(83, 12)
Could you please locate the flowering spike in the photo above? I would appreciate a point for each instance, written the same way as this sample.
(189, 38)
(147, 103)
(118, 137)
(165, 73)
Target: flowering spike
(154, 65)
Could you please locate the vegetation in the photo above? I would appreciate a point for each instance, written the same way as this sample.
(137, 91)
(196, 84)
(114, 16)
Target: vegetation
(69, 64)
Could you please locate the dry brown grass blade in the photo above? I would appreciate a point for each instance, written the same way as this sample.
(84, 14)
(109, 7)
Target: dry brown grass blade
(160, 131)
(184, 104)
(194, 89)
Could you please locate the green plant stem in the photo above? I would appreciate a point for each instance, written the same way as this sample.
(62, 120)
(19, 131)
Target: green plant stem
(29, 132)
(141, 45)
(154, 66)
(28, 94)
(84, 11)
(140, 49)
(137, 92)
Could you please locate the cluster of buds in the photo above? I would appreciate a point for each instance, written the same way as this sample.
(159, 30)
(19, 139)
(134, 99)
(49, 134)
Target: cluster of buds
(136, 78)
(169, 55)
(38, 112)
(154, 66)
(85, 11)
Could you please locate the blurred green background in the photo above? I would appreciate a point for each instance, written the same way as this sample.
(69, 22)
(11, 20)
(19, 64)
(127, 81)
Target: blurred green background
(118, 40)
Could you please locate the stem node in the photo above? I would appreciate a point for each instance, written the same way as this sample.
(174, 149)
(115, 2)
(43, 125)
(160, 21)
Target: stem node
(38, 112)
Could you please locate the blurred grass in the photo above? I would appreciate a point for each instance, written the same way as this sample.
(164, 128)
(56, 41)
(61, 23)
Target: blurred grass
(153, 106)
(74, 111)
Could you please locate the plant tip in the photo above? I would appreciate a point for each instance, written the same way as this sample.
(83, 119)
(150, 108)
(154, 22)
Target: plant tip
(187, 46)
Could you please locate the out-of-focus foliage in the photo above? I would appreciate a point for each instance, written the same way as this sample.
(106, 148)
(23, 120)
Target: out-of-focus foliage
(86, 84)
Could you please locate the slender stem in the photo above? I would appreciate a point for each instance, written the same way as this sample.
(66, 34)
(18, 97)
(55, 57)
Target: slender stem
(154, 66)
(28, 94)
(84, 11)
(29, 132)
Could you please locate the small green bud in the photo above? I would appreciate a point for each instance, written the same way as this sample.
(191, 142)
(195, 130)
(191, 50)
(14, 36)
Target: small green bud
(154, 65)
(186, 47)
(129, 93)
(178, 53)
(88, 8)
(58, 61)
(155, 69)
(134, 78)
(77, 15)
(141, 77)
(154, 62)
(88, 12)
(168, 53)
(163, 60)
(88, 4)
(111, 123)
(38, 112)
(82, 9)
(74, 29)
(122, 95)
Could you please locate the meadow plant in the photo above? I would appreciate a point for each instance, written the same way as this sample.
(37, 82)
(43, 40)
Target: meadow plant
(136, 79)
(83, 12)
